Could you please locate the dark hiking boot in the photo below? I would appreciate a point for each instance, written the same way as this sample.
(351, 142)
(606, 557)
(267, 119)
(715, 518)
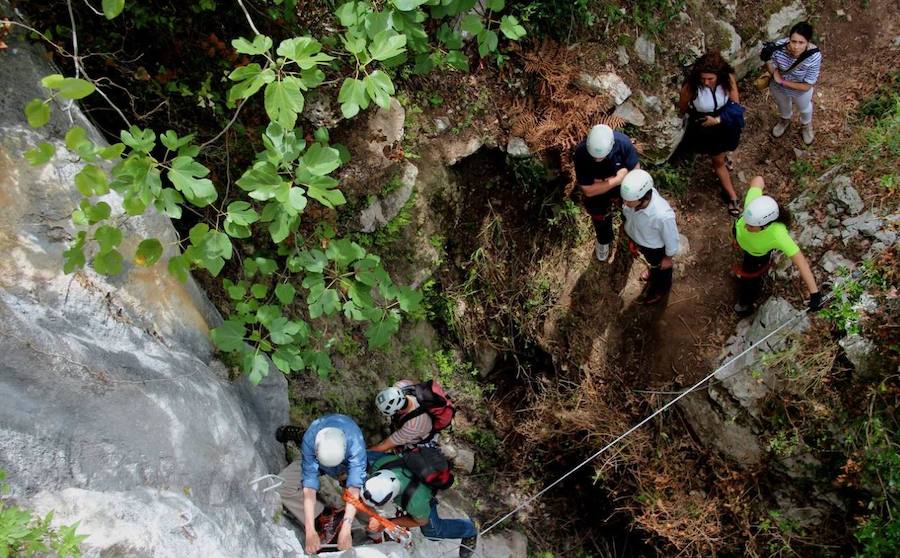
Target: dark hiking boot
(743, 309)
(467, 546)
(287, 433)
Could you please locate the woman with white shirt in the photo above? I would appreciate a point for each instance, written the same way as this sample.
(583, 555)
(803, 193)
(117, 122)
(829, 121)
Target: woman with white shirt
(710, 84)
(795, 69)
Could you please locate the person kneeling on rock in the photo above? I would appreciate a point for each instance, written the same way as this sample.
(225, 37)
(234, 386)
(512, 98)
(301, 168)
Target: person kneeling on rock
(332, 445)
(763, 229)
(650, 225)
(410, 483)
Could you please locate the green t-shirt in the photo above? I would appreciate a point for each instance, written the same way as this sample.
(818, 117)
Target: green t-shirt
(774, 236)
(419, 506)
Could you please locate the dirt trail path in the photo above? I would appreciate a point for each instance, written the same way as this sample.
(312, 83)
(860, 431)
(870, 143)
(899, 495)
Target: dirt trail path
(673, 345)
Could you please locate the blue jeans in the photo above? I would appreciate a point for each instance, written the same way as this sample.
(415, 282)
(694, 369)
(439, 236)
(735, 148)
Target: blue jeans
(438, 528)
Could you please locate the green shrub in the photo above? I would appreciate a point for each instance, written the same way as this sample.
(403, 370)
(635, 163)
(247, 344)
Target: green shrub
(22, 533)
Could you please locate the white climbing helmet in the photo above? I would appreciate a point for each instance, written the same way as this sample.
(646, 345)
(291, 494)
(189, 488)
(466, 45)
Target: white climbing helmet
(331, 446)
(761, 211)
(635, 184)
(389, 401)
(380, 488)
(600, 141)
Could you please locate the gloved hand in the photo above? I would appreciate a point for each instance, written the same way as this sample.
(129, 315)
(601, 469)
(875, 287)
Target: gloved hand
(815, 301)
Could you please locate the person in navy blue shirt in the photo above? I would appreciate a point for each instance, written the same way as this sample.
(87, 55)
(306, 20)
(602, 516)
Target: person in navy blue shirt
(601, 163)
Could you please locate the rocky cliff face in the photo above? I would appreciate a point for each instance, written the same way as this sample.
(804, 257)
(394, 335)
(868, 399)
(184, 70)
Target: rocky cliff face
(114, 411)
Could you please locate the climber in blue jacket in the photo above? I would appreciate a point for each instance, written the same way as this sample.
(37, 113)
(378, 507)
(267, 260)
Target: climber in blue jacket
(332, 445)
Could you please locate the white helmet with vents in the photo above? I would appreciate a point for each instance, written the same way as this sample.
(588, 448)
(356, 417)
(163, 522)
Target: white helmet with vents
(331, 446)
(380, 488)
(600, 141)
(761, 211)
(389, 401)
(635, 184)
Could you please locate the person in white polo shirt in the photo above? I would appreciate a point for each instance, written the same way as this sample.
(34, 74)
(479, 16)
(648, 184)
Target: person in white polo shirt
(650, 224)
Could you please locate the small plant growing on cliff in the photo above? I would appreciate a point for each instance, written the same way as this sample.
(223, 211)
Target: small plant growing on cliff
(22, 533)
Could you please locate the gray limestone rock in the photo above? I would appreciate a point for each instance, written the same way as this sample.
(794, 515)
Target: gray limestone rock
(464, 460)
(831, 261)
(115, 411)
(844, 194)
(628, 112)
(457, 148)
(729, 6)
(517, 148)
(609, 84)
(864, 355)
(441, 124)
(319, 109)
(385, 128)
(736, 441)
(622, 56)
(732, 48)
(645, 50)
(779, 22)
(649, 103)
(746, 381)
(380, 212)
(866, 224)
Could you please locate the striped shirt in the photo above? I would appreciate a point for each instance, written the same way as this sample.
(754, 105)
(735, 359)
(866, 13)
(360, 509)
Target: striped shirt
(415, 430)
(805, 72)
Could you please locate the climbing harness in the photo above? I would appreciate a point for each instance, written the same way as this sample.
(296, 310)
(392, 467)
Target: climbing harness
(649, 418)
(397, 532)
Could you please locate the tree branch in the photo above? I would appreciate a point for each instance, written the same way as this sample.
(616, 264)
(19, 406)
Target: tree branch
(249, 19)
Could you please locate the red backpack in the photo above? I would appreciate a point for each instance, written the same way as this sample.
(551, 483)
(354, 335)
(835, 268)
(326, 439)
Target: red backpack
(432, 400)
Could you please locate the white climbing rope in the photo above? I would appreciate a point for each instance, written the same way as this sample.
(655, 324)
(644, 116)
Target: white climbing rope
(656, 413)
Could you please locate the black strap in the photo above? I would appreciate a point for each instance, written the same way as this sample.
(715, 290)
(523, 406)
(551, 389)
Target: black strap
(411, 415)
(408, 492)
(393, 463)
(806, 54)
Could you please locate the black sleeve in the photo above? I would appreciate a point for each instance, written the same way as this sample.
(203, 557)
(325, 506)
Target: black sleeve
(583, 166)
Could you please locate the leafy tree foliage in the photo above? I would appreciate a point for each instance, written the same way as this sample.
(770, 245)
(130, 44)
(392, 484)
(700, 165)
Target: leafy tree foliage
(291, 288)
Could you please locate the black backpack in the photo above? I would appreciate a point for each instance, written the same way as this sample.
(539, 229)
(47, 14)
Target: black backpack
(425, 465)
(432, 400)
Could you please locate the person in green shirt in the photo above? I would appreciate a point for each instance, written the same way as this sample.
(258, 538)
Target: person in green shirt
(417, 502)
(762, 229)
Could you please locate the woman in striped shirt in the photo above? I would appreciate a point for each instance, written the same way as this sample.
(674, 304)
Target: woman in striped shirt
(793, 79)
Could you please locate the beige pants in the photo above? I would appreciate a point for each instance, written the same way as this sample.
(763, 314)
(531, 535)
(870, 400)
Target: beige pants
(292, 493)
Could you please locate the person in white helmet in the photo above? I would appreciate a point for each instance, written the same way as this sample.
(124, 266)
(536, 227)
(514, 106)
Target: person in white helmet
(650, 224)
(601, 162)
(762, 229)
(392, 481)
(393, 402)
(332, 445)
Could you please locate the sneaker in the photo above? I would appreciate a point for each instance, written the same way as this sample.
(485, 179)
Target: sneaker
(287, 433)
(467, 546)
(781, 127)
(808, 134)
(601, 251)
(743, 309)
